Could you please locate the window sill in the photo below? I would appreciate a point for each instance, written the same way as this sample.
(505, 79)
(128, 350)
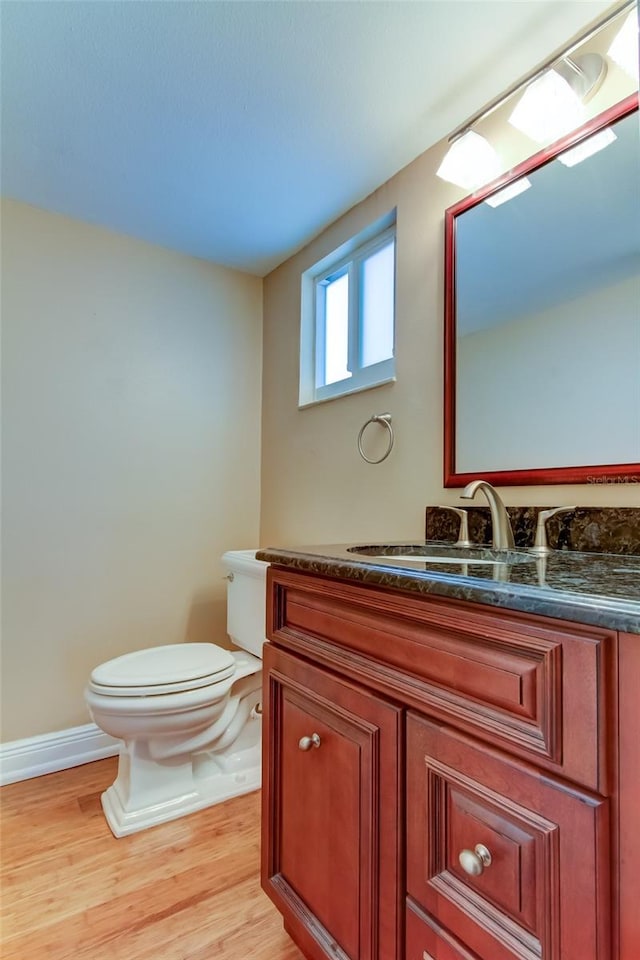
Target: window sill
(357, 388)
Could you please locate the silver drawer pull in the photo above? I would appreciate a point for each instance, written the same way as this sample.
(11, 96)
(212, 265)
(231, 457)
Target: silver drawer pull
(305, 743)
(474, 861)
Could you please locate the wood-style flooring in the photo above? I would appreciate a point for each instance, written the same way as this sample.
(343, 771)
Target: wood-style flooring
(186, 890)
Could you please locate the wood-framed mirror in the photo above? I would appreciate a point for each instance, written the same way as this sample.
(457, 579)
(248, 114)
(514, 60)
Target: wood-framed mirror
(542, 317)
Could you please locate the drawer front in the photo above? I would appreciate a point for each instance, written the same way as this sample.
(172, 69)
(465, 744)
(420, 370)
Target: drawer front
(515, 864)
(426, 940)
(534, 686)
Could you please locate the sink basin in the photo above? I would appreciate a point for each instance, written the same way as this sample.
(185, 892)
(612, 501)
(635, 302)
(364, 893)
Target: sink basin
(441, 553)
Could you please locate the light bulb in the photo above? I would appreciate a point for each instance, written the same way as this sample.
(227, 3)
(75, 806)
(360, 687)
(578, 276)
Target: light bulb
(548, 109)
(470, 162)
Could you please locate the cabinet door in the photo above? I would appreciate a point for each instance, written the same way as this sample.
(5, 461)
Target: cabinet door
(533, 881)
(331, 788)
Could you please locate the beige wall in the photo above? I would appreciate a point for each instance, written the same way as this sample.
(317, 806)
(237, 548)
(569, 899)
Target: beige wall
(315, 487)
(131, 452)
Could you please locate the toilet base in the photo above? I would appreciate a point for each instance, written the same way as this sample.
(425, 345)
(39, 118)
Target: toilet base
(160, 780)
(215, 788)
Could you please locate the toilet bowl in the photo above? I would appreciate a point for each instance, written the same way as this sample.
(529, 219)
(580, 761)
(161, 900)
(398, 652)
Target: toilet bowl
(188, 714)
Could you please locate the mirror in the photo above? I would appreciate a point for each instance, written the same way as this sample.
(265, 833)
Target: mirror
(542, 317)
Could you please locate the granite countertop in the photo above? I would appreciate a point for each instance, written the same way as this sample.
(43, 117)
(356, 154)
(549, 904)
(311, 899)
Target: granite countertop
(592, 588)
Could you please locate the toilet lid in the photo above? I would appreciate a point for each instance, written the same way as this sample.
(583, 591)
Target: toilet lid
(168, 669)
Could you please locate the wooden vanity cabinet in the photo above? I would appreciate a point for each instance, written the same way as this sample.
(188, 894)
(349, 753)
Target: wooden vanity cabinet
(445, 727)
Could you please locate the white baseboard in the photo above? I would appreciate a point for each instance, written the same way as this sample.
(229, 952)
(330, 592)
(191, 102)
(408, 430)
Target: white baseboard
(35, 756)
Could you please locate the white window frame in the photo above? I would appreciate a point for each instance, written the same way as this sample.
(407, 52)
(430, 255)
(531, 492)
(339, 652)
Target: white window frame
(347, 259)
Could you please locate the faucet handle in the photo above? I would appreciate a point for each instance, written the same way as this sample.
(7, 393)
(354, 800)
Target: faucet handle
(463, 533)
(541, 546)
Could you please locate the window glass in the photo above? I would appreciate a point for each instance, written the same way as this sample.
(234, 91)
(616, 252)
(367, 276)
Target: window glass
(336, 329)
(377, 306)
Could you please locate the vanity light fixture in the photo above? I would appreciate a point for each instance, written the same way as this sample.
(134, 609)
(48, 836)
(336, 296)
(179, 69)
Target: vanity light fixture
(508, 193)
(624, 49)
(587, 148)
(469, 162)
(553, 104)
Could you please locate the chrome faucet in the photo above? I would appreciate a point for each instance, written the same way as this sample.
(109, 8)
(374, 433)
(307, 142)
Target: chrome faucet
(502, 532)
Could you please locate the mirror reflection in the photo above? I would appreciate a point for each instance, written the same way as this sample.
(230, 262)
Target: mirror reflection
(544, 288)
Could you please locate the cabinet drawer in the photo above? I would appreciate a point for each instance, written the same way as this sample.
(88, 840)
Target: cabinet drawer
(540, 849)
(533, 686)
(426, 940)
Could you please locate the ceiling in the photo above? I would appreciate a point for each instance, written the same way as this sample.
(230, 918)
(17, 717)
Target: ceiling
(236, 130)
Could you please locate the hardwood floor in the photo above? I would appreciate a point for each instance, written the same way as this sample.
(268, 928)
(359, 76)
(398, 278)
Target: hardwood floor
(187, 890)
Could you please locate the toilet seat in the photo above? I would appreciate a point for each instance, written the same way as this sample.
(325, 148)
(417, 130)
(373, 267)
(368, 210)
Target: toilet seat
(169, 669)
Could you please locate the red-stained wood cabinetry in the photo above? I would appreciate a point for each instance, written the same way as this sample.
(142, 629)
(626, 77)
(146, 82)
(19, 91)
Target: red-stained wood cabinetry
(445, 780)
(331, 811)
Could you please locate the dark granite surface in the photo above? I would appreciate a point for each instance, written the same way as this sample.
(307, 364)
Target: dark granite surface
(592, 588)
(583, 529)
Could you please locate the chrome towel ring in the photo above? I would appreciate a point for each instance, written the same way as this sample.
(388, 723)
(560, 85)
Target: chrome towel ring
(385, 419)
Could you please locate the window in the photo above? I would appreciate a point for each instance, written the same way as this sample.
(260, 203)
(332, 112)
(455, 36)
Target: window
(348, 313)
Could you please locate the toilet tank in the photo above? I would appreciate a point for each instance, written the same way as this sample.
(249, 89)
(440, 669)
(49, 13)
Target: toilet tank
(246, 599)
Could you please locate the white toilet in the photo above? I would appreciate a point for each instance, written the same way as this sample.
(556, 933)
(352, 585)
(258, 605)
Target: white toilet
(188, 714)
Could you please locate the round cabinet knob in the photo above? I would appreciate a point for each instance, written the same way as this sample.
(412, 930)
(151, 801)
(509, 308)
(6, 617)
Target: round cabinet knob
(474, 861)
(305, 743)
